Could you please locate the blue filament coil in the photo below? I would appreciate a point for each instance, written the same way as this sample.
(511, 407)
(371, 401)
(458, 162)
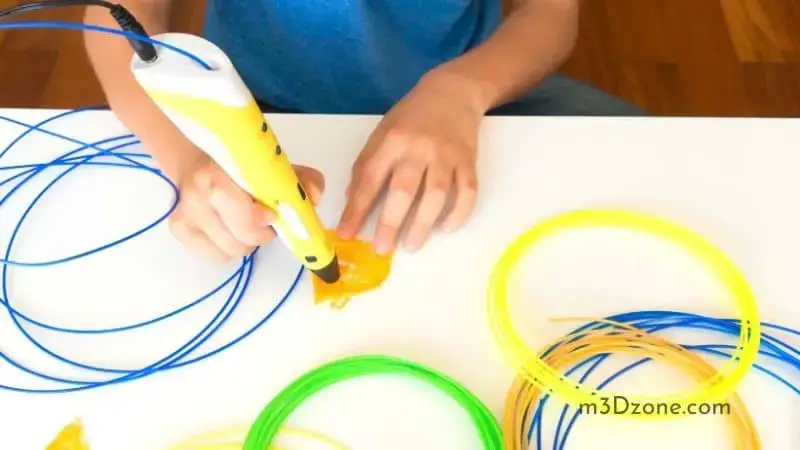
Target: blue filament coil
(109, 153)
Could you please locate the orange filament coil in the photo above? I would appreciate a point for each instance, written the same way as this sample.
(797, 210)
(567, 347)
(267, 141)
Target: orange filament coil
(362, 270)
(574, 348)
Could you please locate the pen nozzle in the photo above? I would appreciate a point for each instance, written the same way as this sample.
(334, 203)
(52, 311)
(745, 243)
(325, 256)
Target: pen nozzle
(330, 273)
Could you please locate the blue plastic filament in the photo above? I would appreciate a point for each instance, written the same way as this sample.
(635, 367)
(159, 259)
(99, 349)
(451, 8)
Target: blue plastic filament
(771, 347)
(114, 154)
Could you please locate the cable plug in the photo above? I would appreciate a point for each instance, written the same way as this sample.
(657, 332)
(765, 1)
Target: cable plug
(145, 50)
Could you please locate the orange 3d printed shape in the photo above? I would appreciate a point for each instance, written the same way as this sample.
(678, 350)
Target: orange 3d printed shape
(70, 438)
(362, 270)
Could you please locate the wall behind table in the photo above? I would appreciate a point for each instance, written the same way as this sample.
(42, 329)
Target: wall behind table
(50, 69)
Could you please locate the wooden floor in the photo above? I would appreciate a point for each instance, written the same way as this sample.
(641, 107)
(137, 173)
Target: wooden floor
(671, 57)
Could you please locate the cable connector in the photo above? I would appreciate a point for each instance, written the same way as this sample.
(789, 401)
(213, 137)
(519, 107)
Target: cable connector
(145, 50)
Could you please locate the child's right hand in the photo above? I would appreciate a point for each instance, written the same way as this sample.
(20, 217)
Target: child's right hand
(218, 219)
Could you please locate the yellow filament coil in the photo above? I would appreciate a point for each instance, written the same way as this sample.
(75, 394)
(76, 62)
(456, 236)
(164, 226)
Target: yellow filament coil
(72, 438)
(717, 386)
(233, 439)
(577, 347)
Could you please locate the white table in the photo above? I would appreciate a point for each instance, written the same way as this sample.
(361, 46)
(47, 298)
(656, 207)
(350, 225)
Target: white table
(735, 181)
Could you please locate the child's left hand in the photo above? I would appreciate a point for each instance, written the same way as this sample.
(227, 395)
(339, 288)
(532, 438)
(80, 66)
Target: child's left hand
(425, 148)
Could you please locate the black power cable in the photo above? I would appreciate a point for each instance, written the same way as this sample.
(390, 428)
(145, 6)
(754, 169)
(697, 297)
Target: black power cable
(126, 21)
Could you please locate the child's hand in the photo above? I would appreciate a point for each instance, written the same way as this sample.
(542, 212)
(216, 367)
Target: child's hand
(218, 219)
(426, 142)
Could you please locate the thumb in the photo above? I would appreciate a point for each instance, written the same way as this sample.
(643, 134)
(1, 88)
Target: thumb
(313, 182)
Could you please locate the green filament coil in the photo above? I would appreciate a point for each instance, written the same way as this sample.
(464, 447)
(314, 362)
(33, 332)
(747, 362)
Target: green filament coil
(269, 423)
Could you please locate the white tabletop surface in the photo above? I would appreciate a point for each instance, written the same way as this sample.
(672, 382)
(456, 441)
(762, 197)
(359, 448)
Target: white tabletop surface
(736, 181)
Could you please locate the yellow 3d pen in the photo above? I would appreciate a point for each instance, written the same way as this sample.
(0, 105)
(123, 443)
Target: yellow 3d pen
(216, 111)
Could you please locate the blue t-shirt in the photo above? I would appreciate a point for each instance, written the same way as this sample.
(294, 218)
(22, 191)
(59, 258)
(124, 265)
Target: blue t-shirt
(344, 56)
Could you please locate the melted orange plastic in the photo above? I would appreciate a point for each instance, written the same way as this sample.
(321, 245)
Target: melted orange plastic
(70, 438)
(362, 270)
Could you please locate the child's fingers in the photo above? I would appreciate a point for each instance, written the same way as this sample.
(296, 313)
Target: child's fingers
(195, 212)
(364, 191)
(465, 200)
(369, 176)
(403, 189)
(438, 183)
(219, 219)
(205, 217)
(313, 182)
(248, 221)
(243, 217)
(197, 241)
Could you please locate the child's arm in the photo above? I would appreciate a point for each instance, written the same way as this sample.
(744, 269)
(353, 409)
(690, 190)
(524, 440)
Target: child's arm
(111, 57)
(533, 42)
(214, 216)
(428, 141)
